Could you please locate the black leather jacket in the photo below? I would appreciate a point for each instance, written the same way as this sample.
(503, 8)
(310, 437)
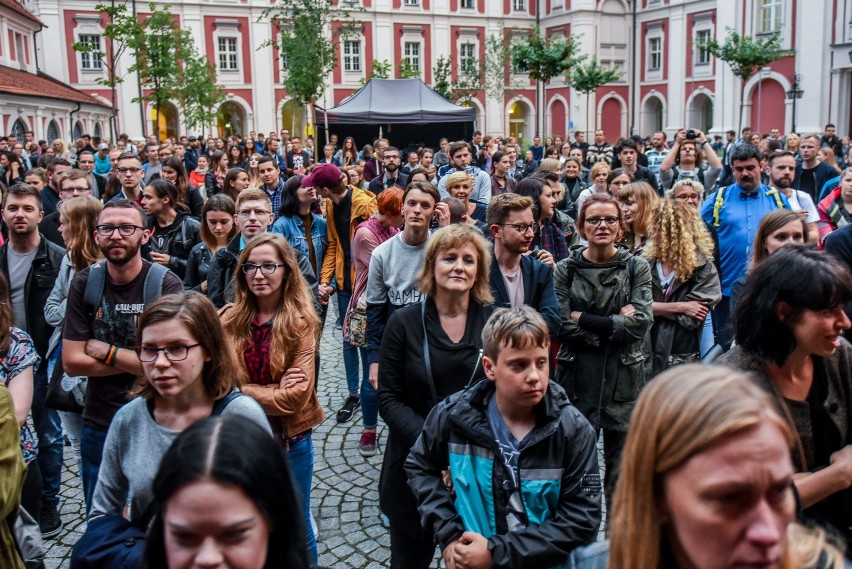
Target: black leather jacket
(39, 284)
(176, 240)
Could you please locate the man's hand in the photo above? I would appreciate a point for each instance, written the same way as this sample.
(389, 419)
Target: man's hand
(627, 310)
(471, 552)
(373, 376)
(97, 349)
(449, 554)
(291, 377)
(161, 258)
(324, 291)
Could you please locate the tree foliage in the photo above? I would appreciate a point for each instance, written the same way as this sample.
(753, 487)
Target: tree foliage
(442, 73)
(160, 52)
(407, 70)
(745, 55)
(586, 77)
(199, 96)
(544, 57)
(122, 33)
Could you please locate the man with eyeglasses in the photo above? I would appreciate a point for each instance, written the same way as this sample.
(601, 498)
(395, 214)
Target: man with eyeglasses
(391, 176)
(31, 264)
(86, 163)
(518, 277)
(130, 176)
(50, 193)
(72, 183)
(254, 216)
(98, 341)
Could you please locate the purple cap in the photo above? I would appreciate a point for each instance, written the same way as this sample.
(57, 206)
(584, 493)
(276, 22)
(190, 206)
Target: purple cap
(323, 176)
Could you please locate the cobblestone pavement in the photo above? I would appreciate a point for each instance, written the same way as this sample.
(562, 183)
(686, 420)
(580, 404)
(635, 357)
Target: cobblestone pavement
(345, 499)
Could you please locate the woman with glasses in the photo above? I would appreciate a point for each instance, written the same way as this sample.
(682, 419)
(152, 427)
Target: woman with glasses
(274, 325)
(348, 155)
(237, 157)
(217, 230)
(605, 297)
(173, 231)
(189, 373)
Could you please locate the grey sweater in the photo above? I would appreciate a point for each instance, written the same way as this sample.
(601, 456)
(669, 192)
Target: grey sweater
(134, 446)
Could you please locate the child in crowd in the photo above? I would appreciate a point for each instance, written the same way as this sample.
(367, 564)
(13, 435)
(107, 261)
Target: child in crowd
(543, 498)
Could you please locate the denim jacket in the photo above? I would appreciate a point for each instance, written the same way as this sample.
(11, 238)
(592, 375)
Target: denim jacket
(293, 229)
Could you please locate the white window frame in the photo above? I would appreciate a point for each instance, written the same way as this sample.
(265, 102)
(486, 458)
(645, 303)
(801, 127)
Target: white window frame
(654, 63)
(412, 58)
(467, 4)
(519, 5)
(226, 55)
(352, 61)
(229, 29)
(770, 16)
(466, 59)
(702, 56)
(411, 3)
(91, 61)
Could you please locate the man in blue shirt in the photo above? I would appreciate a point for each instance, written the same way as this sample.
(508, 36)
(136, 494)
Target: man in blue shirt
(733, 213)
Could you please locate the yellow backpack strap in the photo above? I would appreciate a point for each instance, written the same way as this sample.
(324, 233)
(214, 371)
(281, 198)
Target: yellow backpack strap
(777, 195)
(717, 205)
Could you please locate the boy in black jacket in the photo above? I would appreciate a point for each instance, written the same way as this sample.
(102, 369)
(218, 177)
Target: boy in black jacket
(520, 461)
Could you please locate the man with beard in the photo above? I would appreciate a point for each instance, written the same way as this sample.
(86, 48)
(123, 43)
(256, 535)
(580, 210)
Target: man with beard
(99, 339)
(517, 278)
(391, 176)
(31, 264)
(600, 151)
(782, 171)
(733, 214)
(684, 161)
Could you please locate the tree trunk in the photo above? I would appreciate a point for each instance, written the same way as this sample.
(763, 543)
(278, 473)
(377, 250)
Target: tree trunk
(587, 114)
(742, 104)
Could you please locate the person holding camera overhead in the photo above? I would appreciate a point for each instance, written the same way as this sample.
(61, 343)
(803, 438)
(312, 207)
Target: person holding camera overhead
(684, 160)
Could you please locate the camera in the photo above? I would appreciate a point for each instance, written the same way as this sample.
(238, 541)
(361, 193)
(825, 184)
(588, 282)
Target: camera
(691, 134)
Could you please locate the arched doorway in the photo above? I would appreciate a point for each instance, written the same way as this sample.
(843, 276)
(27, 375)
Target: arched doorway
(612, 115)
(232, 119)
(293, 118)
(767, 107)
(652, 116)
(52, 132)
(520, 121)
(77, 131)
(98, 131)
(558, 116)
(164, 121)
(701, 112)
(18, 129)
(478, 121)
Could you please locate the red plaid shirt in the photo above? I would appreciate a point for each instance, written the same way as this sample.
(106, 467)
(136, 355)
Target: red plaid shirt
(256, 354)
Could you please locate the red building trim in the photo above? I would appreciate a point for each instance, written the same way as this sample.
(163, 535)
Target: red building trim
(245, 39)
(425, 56)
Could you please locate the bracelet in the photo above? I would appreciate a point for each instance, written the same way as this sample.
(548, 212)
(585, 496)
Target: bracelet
(110, 357)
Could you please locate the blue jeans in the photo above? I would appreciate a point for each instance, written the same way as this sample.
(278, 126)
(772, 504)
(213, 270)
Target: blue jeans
(301, 462)
(369, 403)
(48, 427)
(707, 339)
(91, 453)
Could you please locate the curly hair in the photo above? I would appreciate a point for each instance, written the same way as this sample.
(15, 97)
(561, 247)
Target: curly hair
(678, 238)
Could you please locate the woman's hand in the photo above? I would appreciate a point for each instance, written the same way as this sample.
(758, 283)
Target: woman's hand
(373, 376)
(627, 310)
(442, 214)
(161, 258)
(546, 258)
(842, 460)
(203, 286)
(575, 316)
(695, 309)
(292, 377)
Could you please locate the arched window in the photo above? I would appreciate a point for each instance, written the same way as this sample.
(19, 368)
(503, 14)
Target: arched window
(18, 129)
(77, 131)
(52, 132)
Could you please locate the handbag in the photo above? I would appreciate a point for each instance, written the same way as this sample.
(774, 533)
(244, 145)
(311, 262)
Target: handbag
(357, 327)
(64, 392)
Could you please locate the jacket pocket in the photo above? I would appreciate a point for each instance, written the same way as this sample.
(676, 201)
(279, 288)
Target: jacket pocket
(631, 376)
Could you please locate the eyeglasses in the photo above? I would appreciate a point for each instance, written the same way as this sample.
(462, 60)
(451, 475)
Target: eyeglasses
(265, 268)
(596, 221)
(125, 230)
(150, 354)
(126, 171)
(386, 157)
(521, 227)
(246, 213)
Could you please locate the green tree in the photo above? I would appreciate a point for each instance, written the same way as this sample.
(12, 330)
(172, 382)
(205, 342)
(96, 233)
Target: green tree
(378, 70)
(198, 94)
(745, 55)
(407, 70)
(586, 77)
(442, 73)
(309, 43)
(497, 57)
(122, 32)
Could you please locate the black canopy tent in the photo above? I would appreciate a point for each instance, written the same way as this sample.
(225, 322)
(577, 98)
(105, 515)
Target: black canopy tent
(405, 111)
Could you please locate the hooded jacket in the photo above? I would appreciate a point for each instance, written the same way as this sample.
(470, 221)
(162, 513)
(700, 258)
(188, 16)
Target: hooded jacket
(603, 372)
(176, 240)
(559, 479)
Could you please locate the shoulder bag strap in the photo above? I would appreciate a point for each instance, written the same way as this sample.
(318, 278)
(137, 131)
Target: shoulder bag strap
(427, 359)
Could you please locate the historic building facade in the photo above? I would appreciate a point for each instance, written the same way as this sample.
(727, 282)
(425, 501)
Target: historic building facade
(667, 80)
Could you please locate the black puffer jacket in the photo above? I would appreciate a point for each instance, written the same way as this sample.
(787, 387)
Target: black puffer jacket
(176, 240)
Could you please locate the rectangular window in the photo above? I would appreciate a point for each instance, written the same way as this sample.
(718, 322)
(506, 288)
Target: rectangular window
(467, 58)
(519, 5)
(412, 2)
(91, 60)
(702, 37)
(770, 16)
(228, 54)
(655, 54)
(412, 54)
(467, 4)
(352, 56)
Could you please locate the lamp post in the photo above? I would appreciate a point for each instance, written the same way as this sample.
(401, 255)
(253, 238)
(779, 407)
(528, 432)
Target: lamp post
(796, 93)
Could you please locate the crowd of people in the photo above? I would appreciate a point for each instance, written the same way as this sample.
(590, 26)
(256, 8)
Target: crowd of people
(499, 308)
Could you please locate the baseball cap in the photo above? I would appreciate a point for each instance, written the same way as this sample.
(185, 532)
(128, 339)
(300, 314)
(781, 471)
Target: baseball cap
(323, 176)
(103, 146)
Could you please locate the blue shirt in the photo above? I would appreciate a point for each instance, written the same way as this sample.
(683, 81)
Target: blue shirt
(275, 197)
(739, 217)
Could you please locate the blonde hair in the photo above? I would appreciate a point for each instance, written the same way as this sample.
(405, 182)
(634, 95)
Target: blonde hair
(682, 413)
(694, 184)
(550, 165)
(295, 318)
(678, 238)
(452, 236)
(596, 168)
(456, 178)
(644, 195)
(81, 215)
